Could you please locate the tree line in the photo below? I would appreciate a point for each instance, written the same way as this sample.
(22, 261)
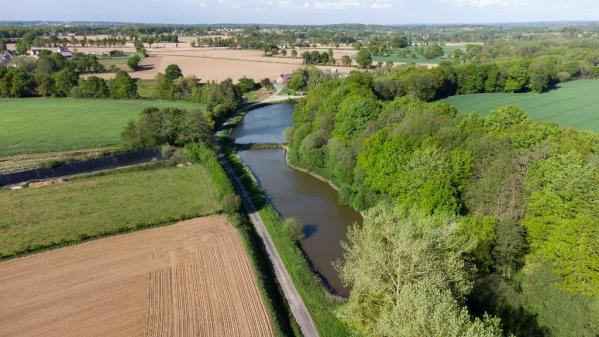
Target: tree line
(51, 74)
(474, 226)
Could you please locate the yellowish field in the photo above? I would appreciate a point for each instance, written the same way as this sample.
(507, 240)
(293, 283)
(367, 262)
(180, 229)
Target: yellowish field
(188, 279)
(217, 64)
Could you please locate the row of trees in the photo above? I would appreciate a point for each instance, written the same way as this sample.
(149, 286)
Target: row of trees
(510, 75)
(466, 216)
(220, 98)
(316, 57)
(176, 127)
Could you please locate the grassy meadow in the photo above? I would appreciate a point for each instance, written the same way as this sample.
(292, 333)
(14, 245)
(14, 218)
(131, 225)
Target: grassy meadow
(103, 203)
(34, 125)
(571, 104)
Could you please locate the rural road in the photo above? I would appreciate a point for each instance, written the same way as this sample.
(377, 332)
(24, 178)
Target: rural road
(278, 98)
(295, 302)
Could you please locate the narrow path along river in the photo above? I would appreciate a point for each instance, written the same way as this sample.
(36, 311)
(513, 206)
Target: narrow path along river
(296, 194)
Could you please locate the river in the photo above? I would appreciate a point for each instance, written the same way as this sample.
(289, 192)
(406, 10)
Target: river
(314, 203)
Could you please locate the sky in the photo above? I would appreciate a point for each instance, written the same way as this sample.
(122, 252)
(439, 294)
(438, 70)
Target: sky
(303, 11)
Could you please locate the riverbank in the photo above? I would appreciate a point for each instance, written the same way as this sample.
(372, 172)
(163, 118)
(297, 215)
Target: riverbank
(321, 304)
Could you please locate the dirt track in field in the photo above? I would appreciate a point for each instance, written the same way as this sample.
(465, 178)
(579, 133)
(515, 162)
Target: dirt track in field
(188, 279)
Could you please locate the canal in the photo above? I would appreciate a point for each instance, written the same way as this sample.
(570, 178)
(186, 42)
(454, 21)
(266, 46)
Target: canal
(314, 203)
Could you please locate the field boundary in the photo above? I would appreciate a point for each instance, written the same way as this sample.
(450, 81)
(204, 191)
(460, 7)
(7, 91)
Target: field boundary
(82, 166)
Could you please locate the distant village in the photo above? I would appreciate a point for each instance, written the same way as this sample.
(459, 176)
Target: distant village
(7, 56)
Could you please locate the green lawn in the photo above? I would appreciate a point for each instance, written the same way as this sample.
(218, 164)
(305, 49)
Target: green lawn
(31, 125)
(105, 203)
(572, 104)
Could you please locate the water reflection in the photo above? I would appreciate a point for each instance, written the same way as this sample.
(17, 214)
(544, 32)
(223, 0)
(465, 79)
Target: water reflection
(312, 202)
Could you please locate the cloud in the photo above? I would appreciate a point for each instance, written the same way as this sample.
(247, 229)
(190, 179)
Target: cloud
(485, 3)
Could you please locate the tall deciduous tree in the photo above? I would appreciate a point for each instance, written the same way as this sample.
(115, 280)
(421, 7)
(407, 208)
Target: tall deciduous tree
(409, 277)
(364, 58)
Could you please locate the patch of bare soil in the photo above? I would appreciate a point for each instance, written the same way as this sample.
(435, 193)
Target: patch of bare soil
(188, 279)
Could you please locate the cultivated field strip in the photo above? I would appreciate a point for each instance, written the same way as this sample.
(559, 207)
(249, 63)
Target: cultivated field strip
(188, 279)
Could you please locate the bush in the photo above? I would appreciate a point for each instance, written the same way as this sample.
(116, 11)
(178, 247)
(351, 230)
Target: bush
(166, 126)
(293, 228)
(246, 84)
(122, 86)
(297, 81)
(133, 62)
(92, 87)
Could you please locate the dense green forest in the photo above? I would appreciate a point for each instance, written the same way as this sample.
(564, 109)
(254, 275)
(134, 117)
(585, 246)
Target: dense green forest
(474, 226)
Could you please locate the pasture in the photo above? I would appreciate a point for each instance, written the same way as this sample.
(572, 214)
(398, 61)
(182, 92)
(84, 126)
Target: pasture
(188, 279)
(571, 104)
(34, 125)
(103, 203)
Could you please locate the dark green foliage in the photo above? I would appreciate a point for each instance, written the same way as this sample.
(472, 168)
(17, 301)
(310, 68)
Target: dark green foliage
(172, 72)
(220, 98)
(524, 191)
(434, 51)
(174, 86)
(415, 173)
(316, 57)
(133, 62)
(16, 83)
(505, 117)
(92, 87)
(122, 86)
(364, 58)
(86, 64)
(353, 114)
(400, 42)
(64, 80)
(166, 126)
(297, 81)
(246, 84)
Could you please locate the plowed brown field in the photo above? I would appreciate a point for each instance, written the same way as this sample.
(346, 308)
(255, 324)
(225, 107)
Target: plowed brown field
(188, 279)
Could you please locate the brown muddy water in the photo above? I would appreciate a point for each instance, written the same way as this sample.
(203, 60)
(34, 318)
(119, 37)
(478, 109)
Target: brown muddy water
(314, 203)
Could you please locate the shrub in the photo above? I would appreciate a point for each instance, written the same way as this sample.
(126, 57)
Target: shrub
(293, 228)
(166, 126)
(133, 62)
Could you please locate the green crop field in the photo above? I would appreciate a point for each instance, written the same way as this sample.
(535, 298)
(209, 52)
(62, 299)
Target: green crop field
(33, 125)
(571, 104)
(104, 203)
